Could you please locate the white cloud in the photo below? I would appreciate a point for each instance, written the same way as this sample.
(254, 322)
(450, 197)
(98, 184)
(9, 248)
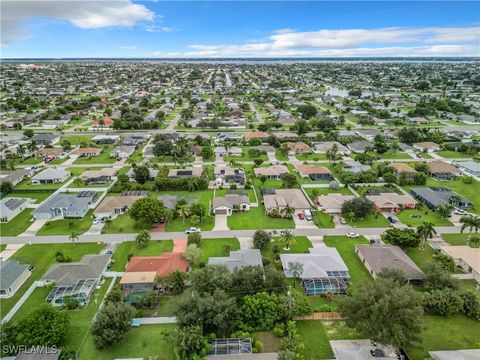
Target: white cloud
(129, 47)
(83, 14)
(353, 42)
(157, 28)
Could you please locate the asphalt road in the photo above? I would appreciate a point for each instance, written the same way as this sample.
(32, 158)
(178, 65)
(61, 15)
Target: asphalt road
(112, 238)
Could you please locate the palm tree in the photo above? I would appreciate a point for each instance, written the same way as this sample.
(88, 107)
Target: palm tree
(296, 269)
(455, 199)
(289, 239)
(444, 210)
(169, 215)
(184, 212)
(426, 231)
(473, 241)
(74, 237)
(289, 211)
(472, 222)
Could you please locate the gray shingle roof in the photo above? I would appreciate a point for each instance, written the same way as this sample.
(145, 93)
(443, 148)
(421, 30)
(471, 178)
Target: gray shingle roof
(238, 259)
(10, 271)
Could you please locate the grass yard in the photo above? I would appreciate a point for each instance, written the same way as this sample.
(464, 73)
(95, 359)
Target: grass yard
(28, 161)
(395, 155)
(27, 185)
(371, 221)
(126, 248)
(301, 246)
(470, 191)
(462, 333)
(29, 254)
(146, 341)
(456, 239)
(67, 226)
(58, 161)
(322, 220)
(103, 158)
(245, 156)
(421, 257)
(346, 248)
(216, 247)
(325, 190)
(256, 218)
(78, 139)
(311, 156)
(425, 214)
(136, 157)
(270, 341)
(280, 155)
(122, 224)
(77, 171)
(449, 154)
(17, 225)
(39, 196)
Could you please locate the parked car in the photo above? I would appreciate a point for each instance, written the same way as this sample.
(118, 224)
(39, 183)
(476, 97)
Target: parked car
(192, 230)
(353, 235)
(392, 219)
(460, 212)
(308, 215)
(96, 221)
(301, 217)
(343, 221)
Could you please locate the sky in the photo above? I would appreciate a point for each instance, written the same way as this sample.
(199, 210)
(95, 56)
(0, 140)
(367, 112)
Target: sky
(128, 28)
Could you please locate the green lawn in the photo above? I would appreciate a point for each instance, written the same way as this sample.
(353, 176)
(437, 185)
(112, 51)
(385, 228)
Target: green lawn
(470, 191)
(449, 154)
(78, 139)
(216, 247)
(456, 239)
(421, 257)
(256, 218)
(58, 161)
(223, 192)
(39, 196)
(245, 156)
(27, 185)
(280, 155)
(270, 341)
(155, 247)
(326, 190)
(454, 332)
(136, 157)
(67, 226)
(346, 248)
(425, 214)
(311, 157)
(29, 254)
(103, 158)
(395, 155)
(371, 221)
(122, 224)
(17, 225)
(322, 220)
(77, 171)
(28, 161)
(301, 246)
(146, 341)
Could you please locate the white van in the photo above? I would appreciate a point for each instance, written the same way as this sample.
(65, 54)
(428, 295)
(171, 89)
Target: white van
(308, 215)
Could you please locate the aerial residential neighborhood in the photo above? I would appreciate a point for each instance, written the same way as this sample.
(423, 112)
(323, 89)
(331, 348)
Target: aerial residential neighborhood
(175, 207)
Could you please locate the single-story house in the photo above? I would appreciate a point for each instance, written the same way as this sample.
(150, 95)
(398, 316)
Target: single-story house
(220, 151)
(315, 173)
(123, 151)
(62, 206)
(298, 148)
(15, 176)
(107, 122)
(442, 171)
(225, 175)
(323, 147)
(360, 146)
(11, 207)
(187, 172)
(271, 172)
(276, 200)
(105, 139)
(141, 271)
(112, 206)
(376, 258)
(152, 174)
(238, 259)
(332, 203)
(235, 151)
(322, 270)
(427, 146)
(100, 176)
(470, 167)
(255, 135)
(226, 205)
(392, 202)
(13, 276)
(134, 139)
(51, 176)
(169, 201)
(355, 167)
(51, 152)
(401, 168)
(45, 139)
(85, 152)
(466, 258)
(434, 196)
(75, 280)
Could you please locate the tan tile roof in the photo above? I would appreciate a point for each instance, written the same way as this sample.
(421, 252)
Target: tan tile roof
(310, 169)
(403, 168)
(470, 256)
(113, 202)
(440, 166)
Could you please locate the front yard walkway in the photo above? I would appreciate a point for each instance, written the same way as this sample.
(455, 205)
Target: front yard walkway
(245, 243)
(32, 229)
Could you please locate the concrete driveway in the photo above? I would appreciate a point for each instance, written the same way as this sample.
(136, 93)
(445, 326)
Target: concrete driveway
(302, 224)
(221, 223)
(34, 227)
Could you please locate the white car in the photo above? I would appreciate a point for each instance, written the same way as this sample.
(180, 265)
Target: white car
(192, 230)
(96, 221)
(460, 212)
(353, 235)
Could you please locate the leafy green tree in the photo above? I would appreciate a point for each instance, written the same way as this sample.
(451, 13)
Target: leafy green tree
(371, 309)
(292, 342)
(358, 208)
(141, 174)
(210, 278)
(397, 275)
(146, 211)
(248, 280)
(206, 152)
(405, 238)
(193, 254)
(442, 302)
(471, 304)
(194, 238)
(111, 324)
(189, 342)
(28, 133)
(288, 180)
(176, 281)
(260, 239)
(307, 111)
(437, 278)
(444, 210)
(446, 261)
(6, 187)
(260, 312)
(142, 239)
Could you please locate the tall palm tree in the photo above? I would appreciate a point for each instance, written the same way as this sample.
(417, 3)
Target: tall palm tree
(473, 241)
(444, 210)
(472, 222)
(184, 212)
(289, 239)
(426, 231)
(455, 199)
(74, 237)
(289, 210)
(296, 269)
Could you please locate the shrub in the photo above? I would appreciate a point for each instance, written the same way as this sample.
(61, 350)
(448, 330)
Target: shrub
(443, 302)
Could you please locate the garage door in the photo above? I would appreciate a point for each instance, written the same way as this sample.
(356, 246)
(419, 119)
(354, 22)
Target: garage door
(221, 212)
